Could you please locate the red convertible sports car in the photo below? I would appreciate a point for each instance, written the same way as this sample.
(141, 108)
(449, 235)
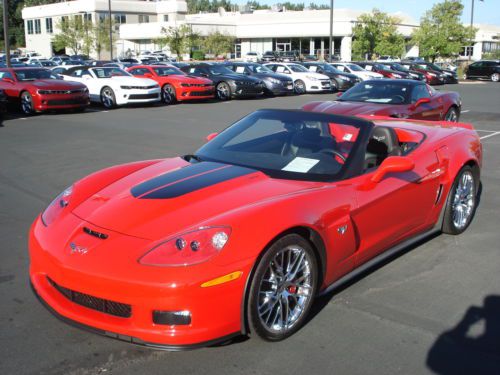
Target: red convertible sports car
(240, 236)
(175, 84)
(39, 89)
(394, 98)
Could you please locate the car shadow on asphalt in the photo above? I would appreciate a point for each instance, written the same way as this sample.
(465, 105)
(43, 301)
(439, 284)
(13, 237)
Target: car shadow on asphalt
(473, 345)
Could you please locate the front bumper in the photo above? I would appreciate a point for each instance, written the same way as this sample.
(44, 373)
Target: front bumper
(138, 96)
(318, 86)
(283, 88)
(61, 101)
(195, 93)
(343, 85)
(215, 311)
(247, 90)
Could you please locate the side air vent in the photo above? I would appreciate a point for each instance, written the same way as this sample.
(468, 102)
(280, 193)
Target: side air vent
(94, 233)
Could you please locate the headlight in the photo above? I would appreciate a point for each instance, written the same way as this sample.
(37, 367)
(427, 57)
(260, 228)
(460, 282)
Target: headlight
(312, 78)
(343, 78)
(44, 92)
(188, 248)
(57, 206)
(431, 74)
(126, 87)
(185, 84)
(274, 80)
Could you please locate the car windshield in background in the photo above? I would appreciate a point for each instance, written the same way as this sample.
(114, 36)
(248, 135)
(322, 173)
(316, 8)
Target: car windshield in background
(355, 68)
(329, 68)
(257, 68)
(110, 72)
(218, 70)
(33, 74)
(297, 68)
(399, 67)
(378, 92)
(167, 71)
(287, 144)
(48, 63)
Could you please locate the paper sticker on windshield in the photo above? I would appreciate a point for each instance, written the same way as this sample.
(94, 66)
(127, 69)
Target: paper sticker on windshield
(347, 137)
(301, 165)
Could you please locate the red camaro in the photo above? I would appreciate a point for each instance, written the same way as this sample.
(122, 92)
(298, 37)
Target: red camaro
(240, 237)
(38, 90)
(175, 84)
(394, 98)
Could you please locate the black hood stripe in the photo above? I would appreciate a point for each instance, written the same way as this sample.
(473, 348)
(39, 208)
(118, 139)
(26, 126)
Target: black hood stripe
(188, 179)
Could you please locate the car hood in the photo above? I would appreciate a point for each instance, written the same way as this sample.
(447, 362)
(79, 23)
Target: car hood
(56, 84)
(173, 196)
(132, 81)
(281, 77)
(187, 79)
(236, 77)
(354, 108)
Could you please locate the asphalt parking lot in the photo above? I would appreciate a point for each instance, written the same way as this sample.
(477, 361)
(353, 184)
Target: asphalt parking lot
(434, 309)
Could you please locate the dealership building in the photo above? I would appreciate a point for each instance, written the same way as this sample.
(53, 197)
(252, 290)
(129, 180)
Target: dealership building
(138, 23)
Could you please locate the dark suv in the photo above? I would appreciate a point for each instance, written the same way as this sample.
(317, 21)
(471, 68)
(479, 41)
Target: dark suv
(340, 81)
(227, 83)
(489, 69)
(269, 56)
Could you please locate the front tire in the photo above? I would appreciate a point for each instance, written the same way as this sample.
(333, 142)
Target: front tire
(495, 77)
(108, 98)
(300, 87)
(27, 106)
(461, 203)
(168, 94)
(452, 115)
(223, 91)
(283, 288)
(465, 76)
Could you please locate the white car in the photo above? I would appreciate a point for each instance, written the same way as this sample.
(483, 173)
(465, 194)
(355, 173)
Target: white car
(113, 86)
(251, 57)
(303, 79)
(356, 70)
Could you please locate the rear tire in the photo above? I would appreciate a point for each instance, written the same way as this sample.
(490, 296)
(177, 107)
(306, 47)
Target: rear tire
(27, 106)
(283, 288)
(495, 77)
(168, 94)
(452, 115)
(300, 87)
(223, 91)
(461, 203)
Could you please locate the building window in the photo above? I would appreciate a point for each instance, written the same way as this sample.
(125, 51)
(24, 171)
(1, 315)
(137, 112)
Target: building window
(30, 26)
(120, 18)
(165, 18)
(87, 17)
(48, 26)
(38, 27)
(491, 46)
(143, 18)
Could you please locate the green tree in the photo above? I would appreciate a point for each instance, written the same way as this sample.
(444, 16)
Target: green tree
(180, 39)
(377, 33)
(441, 33)
(218, 43)
(100, 36)
(71, 34)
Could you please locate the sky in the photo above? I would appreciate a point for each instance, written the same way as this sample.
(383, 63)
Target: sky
(486, 12)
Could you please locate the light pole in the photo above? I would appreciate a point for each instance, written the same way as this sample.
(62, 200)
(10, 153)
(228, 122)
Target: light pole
(471, 28)
(110, 31)
(331, 31)
(6, 32)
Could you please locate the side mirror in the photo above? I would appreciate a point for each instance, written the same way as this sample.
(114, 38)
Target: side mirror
(7, 79)
(339, 94)
(420, 102)
(204, 75)
(148, 75)
(211, 136)
(393, 164)
(86, 77)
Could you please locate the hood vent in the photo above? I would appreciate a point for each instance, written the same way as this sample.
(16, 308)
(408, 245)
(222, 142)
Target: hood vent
(94, 233)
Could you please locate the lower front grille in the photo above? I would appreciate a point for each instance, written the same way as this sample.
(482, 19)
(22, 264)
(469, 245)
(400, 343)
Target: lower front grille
(95, 303)
(201, 93)
(66, 101)
(144, 96)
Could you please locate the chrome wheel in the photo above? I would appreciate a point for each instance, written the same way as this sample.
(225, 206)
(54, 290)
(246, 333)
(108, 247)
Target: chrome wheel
(27, 103)
(451, 115)
(464, 200)
(464, 76)
(223, 91)
(495, 77)
(300, 87)
(285, 289)
(168, 93)
(108, 97)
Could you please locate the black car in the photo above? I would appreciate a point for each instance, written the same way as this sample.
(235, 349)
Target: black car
(275, 84)
(340, 81)
(288, 56)
(489, 69)
(227, 83)
(179, 64)
(269, 56)
(413, 74)
(449, 75)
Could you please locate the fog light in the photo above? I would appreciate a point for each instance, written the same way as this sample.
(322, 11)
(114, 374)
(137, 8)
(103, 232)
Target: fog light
(172, 318)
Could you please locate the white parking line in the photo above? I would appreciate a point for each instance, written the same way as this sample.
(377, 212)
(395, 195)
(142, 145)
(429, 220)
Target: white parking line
(466, 110)
(489, 135)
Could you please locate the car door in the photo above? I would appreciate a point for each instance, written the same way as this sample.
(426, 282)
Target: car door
(395, 208)
(425, 111)
(10, 85)
(475, 69)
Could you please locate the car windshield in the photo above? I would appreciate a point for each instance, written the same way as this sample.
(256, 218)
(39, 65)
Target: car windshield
(288, 144)
(48, 63)
(108, 72)
(354, 67)
(329, 68)
(217, 70)
(399, 67)
(297, 68)
(257, 68)
(167, 71)
(383, 92)
(34, 74)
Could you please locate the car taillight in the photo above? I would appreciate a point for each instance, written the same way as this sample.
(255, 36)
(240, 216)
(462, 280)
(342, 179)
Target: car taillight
(188, 248)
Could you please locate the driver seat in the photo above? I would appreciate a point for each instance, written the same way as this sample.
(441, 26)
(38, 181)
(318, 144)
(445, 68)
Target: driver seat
(383, 143)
